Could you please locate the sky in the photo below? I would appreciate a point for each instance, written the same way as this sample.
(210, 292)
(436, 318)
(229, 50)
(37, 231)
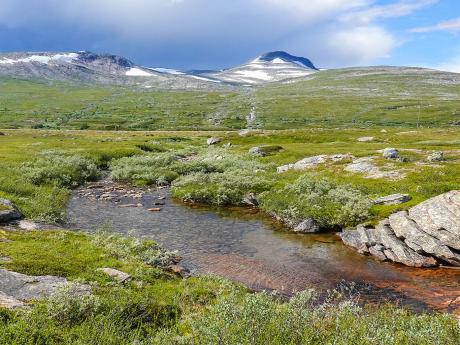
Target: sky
(214, 34)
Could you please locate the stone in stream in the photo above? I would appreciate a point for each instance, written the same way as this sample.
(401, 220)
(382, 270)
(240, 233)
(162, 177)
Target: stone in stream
(119, 276)
(421, 237)
(394, 199)
(307, 225)
(8, 211)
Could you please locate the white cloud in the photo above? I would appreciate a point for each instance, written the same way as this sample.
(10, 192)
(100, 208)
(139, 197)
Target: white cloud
(332, 32)
(395, 10)
(449, 25)
(452, 65)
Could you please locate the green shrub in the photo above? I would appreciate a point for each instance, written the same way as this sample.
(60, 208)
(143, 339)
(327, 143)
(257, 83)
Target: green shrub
(72, 305)
(330, 204)
(60, 169)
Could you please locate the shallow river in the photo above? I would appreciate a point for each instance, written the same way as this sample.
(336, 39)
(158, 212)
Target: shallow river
(245, 246)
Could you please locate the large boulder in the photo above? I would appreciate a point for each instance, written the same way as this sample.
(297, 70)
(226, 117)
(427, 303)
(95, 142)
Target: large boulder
(440, 217)
(425, 235)
(8, 211)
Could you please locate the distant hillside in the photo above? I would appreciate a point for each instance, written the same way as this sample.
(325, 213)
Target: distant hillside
(342, 98)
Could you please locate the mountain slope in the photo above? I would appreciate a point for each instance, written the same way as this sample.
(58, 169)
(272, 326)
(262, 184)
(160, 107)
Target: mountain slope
(93, 68)
(270, 67)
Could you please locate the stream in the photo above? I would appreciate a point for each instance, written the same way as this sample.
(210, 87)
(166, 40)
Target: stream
(248, 247)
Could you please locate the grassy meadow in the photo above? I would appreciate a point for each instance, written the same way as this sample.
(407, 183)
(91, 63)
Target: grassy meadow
(57, 136)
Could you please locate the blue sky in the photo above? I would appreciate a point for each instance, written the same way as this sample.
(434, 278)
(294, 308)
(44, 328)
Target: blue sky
(190, 34)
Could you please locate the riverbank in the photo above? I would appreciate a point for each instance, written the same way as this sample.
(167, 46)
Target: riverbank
(156, 307)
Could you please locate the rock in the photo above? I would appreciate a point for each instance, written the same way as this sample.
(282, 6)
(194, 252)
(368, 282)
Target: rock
(250, 199)
(154, 209)
(366, 166)
(421, 237)
(128, 205)
(390, 153)
(244, 132)
(383, 131)
(437, 156)
(361, 165)
(398, 251)
(313, 162)
(25, 288)
(213, 141)
(8, 211)
(394, 199)
(415, 238)
(179, 270)
(227, 145)
(440, 218)
(29, 225)
(353, 239)
(377, 251)
(308, 225)
(119, 276)
(10, 302)
(257, 151)
(284, 168)
(365, 139)
(5, 260)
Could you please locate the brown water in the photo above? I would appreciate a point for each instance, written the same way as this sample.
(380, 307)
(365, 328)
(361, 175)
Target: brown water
(247, 247)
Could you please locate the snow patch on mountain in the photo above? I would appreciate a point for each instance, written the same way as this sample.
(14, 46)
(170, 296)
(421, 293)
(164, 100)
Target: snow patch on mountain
(137, 72)
(43, 59)
(167, 70)
(270, 67)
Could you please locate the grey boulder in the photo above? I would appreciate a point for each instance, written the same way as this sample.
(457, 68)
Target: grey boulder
(8, 211)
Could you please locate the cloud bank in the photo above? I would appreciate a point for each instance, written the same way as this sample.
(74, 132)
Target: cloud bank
(206, 33)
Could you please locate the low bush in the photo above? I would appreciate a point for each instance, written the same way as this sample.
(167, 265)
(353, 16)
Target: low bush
(330, 204)
(60, 169)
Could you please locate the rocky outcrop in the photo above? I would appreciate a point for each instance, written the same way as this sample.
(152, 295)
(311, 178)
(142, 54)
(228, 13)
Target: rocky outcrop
(425, 236)
(8, 211)
(366, 166)
(17, 288)
(314, 161)
(365, 139)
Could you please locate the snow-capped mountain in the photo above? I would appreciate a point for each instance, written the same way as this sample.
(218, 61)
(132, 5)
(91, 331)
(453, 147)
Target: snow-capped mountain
(89, 67)
(269, 67)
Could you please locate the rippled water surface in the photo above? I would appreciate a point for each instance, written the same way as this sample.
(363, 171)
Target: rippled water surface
(245, 246)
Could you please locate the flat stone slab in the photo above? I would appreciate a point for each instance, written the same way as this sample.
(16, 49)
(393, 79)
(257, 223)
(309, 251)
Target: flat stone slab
(394, 199)
(25, 288)
(10, 302)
